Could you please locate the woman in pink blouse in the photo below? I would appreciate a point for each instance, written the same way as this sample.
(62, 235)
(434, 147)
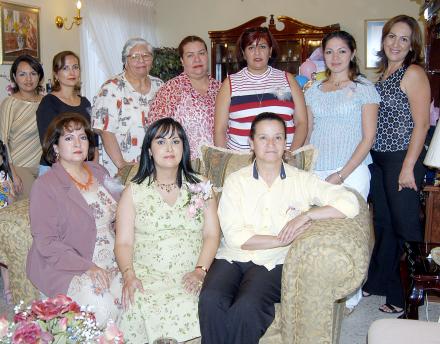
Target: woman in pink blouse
(190, 97)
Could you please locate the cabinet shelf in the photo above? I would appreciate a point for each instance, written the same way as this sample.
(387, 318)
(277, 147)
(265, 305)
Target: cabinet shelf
(296, 40)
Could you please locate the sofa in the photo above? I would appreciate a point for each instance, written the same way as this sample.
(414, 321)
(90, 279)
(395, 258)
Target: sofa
(324, 265)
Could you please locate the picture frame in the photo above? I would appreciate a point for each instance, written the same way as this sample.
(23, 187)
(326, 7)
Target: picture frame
(20, 31)
(373, 35)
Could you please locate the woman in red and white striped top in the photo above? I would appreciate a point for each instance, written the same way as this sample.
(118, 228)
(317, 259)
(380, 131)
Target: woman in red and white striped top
(258, 88)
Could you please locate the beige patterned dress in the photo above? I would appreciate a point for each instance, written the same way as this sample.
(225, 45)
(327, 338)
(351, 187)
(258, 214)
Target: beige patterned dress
(18, 131)
(167, 245)
(106, 303)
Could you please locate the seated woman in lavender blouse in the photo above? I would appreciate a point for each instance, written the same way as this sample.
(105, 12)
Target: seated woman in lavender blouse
(342, 112)
(72, 213)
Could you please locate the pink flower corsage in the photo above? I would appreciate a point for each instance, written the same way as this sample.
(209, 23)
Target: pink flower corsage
(198, 194)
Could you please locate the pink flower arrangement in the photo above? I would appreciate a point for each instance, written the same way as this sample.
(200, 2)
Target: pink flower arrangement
(10, 89)
(56, 320)
(198, 195)
(110, 333)
(3, 327)
(27, 333)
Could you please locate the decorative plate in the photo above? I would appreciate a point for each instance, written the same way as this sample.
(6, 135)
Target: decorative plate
(435, 254)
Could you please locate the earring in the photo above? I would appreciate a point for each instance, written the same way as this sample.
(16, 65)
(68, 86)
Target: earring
(57, 156)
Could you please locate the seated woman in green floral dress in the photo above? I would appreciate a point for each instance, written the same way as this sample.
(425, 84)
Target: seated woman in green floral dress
(167, 234)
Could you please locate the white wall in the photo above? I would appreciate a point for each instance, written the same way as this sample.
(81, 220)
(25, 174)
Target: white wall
(52, 39)
(177, 18)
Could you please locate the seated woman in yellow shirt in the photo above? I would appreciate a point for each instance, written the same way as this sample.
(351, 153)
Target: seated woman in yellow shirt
(263, 208)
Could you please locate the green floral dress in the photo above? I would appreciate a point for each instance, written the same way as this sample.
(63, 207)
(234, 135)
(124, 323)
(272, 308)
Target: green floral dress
(167, 245)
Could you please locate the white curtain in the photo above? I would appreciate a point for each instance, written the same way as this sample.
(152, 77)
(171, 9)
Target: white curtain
(106, 26)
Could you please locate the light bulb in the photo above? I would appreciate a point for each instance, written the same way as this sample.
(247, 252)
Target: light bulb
(78, 4)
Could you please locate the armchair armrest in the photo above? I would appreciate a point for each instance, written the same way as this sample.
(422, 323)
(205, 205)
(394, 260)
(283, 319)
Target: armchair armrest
(16, 239)
(324, 265)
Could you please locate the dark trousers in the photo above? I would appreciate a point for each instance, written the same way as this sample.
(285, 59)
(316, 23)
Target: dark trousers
(396, 217)
(236, 303)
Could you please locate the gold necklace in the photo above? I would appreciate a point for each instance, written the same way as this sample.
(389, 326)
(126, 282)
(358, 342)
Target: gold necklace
(339, 83)
(31, 99)
(260, 98)
(389, 72)
(166, 187)
(83, 186)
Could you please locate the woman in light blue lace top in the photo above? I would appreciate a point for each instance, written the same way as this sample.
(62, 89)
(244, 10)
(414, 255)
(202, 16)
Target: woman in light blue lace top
(342, 113)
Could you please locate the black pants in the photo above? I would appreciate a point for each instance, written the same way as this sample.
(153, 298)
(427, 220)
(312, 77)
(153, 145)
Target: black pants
(396, 220)
(236, 303)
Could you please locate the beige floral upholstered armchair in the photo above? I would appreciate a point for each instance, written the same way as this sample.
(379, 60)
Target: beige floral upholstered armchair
(15, 241)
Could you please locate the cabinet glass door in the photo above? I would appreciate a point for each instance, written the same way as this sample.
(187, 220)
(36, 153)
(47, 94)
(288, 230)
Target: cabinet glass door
(310, 46)
(289, 58)
(225, 60)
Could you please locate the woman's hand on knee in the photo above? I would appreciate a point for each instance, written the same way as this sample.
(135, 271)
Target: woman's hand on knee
(99, 276)
(131, 284)
(193, 281)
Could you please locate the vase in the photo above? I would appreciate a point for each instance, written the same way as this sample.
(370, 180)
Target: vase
(20, 42)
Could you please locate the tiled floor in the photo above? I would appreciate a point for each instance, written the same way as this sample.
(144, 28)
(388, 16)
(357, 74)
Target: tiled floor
(354, 327)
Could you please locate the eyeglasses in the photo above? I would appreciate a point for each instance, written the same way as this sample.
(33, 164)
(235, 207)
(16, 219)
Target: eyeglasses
(141, 57)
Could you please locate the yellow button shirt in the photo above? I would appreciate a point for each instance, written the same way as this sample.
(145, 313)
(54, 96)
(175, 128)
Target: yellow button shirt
(248, 207)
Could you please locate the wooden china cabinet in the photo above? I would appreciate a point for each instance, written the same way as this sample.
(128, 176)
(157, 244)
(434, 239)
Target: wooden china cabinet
(431, 11)
(296, 40)
(432, 46)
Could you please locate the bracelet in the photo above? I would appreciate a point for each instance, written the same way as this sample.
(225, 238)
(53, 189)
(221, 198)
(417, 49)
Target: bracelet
(201, 267)
(126, 269)
(340, 176)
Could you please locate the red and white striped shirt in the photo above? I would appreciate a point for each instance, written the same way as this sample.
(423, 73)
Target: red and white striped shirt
(254, 94)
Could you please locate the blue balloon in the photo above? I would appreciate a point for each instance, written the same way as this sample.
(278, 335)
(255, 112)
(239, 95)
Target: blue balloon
(301, 80)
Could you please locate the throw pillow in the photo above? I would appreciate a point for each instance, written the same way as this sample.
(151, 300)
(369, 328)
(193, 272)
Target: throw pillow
(218, 163)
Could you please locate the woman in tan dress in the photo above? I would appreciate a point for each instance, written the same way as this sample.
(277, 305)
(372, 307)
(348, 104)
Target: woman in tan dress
(18, 126)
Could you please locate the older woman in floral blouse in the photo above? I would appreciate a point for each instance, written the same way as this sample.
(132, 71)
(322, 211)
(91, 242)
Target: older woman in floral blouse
(190, 97)
(121, 107)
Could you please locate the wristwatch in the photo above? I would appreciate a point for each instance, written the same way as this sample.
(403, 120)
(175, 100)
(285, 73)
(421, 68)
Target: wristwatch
(202, 267)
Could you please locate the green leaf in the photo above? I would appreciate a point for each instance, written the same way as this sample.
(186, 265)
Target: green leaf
(166, 63)
(60, 338)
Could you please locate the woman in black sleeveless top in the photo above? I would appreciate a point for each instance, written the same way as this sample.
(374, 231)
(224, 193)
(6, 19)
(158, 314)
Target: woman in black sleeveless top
(65, 97)
(397, 170)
